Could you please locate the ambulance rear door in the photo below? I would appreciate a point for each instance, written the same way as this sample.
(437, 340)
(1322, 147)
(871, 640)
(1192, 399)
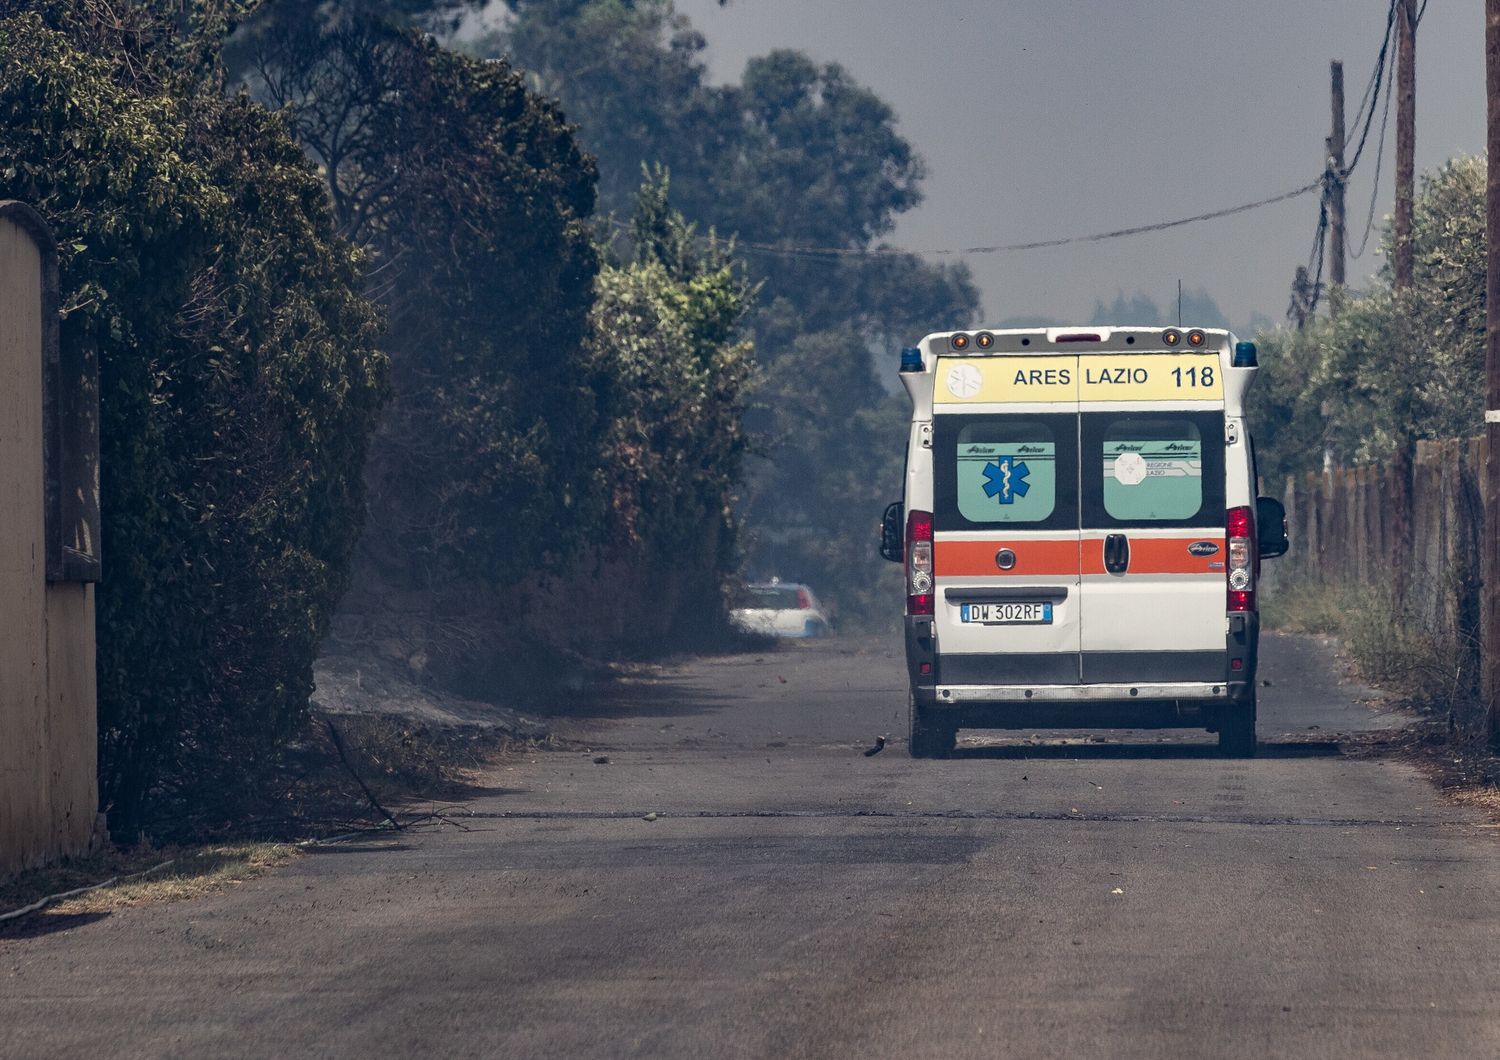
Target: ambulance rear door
(1006, 556)
(1152, 499)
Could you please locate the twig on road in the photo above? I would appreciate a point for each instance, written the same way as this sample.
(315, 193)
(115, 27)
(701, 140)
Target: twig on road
(42, 903)
(338, 745)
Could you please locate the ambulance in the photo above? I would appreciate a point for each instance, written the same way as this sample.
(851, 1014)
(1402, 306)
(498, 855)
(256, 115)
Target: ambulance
(1080, 532)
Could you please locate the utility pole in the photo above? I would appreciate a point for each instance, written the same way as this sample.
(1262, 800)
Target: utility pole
(1406, 136)
(1490, 609)
(1336, 180)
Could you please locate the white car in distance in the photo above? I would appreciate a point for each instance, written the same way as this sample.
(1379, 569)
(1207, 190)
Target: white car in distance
(780, 609)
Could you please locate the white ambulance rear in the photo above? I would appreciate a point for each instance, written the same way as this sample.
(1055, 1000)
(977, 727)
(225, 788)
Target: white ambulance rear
(1081, 533)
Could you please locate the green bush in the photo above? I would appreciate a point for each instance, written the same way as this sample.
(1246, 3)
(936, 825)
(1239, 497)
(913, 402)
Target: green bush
(672, 371)
(1389, 366)
(239, 384)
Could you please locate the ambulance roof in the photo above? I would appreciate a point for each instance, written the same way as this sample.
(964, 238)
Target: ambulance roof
(994, 371)
(1091, 338)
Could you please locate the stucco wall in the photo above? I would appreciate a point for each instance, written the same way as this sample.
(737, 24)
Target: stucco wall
(48, 786)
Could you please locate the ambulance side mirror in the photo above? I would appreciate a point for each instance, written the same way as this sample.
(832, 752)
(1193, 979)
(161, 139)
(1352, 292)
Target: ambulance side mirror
(892, 543)
(1270, 522)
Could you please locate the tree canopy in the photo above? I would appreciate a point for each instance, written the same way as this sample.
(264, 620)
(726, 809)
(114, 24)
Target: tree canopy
(378, 218)
(473, 199)
(1389, 366)
(796, 154)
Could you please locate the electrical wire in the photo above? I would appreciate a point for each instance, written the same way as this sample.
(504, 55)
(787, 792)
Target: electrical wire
(1320, 244)
(1364, 242)
(1365, 100)
(833, 253)
(1364, 117)
(1380, 72)
(1315, 260)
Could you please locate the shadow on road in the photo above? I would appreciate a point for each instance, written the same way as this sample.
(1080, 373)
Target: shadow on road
(357, 848)
(47, 923)
(632, 697)
(1103, 751)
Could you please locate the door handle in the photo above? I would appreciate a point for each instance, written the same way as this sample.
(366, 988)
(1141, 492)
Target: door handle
(1116, 553)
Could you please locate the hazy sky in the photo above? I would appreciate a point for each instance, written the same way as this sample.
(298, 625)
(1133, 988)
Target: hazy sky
(1042, 119)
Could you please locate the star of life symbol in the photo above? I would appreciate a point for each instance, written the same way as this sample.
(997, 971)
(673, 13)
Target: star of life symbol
(964, 380)
(1005, 479)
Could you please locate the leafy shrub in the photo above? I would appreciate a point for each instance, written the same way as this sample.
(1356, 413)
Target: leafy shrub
(1389, 366)
(672, 371)
(239, 386)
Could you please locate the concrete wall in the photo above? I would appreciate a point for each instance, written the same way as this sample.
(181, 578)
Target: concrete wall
(48, 785)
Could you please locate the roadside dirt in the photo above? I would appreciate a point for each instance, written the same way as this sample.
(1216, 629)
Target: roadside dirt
(1465, 774)
(142, 875)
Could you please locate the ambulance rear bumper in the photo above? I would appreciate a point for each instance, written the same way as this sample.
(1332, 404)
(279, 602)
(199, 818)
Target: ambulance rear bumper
(973, 695)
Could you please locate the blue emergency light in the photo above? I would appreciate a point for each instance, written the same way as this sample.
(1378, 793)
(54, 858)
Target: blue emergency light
(911, 359)
(1244, 355)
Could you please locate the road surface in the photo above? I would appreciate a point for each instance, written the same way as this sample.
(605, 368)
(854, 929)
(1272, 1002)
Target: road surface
(1139, 897)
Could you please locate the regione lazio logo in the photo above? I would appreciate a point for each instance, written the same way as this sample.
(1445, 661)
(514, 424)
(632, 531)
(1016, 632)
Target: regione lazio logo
(964, 380)
(1005, 479)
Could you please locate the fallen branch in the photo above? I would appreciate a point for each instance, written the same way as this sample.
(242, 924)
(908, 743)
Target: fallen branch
(42, 903)
(338, 745)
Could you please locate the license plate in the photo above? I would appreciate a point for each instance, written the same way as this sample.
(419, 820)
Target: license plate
(1018, 614)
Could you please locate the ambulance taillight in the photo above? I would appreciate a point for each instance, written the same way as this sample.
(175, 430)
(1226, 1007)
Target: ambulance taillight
(1240, 527)
(919, 563)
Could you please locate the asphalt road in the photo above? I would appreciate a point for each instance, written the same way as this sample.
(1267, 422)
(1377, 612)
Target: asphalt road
(1038, 895)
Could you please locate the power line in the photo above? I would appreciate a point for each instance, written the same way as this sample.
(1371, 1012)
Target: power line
(1365, 100)
(1320, 244)
(1379, 158)
(1315, 259)
(1380, 69)
(1307, 288)
(832, 253)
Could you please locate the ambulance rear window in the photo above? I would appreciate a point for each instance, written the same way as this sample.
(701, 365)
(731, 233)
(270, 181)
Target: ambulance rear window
(1152, 469)
(1006, 471)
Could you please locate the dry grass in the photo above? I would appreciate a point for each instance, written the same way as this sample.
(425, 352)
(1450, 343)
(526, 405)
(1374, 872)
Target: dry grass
(194, 871)
(1465, 773)
(1302, 607)
(1421, 668)
(1484, 799)
(403, 762)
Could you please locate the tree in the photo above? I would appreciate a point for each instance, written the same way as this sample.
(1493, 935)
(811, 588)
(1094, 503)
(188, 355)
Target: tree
(473, 198)
(835, 451)
(672, 370)
(797, 154)
(629, 73)
(239, 384)
(1392, 366)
